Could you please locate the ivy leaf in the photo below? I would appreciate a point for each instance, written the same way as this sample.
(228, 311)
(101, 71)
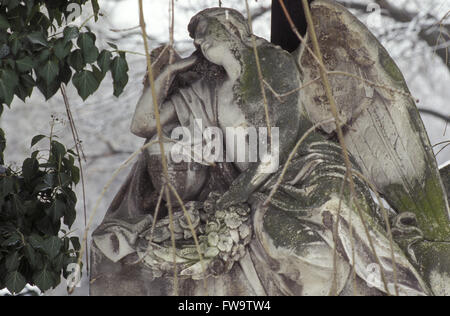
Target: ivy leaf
(4, 24)
(47, 227)
(70, 216)
(52, 246)
(99, 75)
(25, 64)
(22, 92)
(18, 206)
(75, 243)
(119, 71)
(76, 60)
(70, 33)
(6, 188)
(31, 9)
(12, 4)
(15, 282)
(57, 210)
(86, 42)
(58, 262)
(62, 48)
(30, 255)
(13, 240)
(112, 45)
(27, 81)
(58, 150)
(12, 262)
(30, 168)
(104, 60)
(8, 83)
(65, 74)
(86, 83)
(36, 139)
(48, 89)
(49, 71)
(37, 38)
(43, 55)
(75, 172)
(44, 279)
(36, 241)
(46, 182)
(25, 87)
(16, 46)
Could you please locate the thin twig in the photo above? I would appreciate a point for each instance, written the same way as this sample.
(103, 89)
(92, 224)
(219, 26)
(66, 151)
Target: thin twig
(442, 149)
(334, 110)
(194, 234)
(445, 118)
(280, 96)
(334, 285)
(167, 192)
(125, 30)
(296, 32)
(80, 152)
(158, 129)
(442, 143)
(155, 219)
(388, 225)
(172, 238)
(260, 74)
(371, 83)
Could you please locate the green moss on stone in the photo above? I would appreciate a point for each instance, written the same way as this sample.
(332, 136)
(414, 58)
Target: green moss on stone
(428, 203)
(390, 67)
(288, 232)
(445, 175)
(433, 261)
(249, 85)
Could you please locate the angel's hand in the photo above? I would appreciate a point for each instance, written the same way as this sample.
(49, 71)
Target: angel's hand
(232, 198)
(182, 64)
(244, 186)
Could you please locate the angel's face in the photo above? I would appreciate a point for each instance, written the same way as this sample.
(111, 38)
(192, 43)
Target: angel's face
(214, 41)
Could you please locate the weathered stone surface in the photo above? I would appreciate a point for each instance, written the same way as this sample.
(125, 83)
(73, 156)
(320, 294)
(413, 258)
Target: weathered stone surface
(445, 174)
(382, 126)
(246, 244)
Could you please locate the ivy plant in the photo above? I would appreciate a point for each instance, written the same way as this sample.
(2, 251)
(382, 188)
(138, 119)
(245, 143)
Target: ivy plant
(34, 201)
(36, 50)
(40, 49)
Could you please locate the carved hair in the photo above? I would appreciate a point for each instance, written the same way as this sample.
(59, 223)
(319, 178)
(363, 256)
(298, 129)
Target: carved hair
(232, 20)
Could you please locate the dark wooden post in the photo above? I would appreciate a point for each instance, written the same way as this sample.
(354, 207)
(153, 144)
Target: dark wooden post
(281, 31)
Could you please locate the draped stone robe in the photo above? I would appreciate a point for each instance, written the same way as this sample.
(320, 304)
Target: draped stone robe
(292, 250)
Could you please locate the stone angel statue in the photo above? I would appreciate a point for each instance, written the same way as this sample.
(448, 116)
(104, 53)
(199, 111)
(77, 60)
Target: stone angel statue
(382, 127)
(307, 238)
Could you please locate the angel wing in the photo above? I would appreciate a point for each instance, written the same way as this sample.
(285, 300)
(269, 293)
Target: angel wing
(382, 126)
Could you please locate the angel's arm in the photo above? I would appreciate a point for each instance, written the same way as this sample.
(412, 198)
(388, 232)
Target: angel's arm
(144, 122)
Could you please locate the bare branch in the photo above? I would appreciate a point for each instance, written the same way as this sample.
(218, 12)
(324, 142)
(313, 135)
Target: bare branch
(436, 114)
(433, 35)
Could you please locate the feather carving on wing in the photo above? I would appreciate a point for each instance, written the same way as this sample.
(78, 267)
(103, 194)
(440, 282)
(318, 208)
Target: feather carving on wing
(381, 123)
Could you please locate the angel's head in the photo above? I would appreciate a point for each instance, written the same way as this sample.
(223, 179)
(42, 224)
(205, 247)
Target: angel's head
(220, 33)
